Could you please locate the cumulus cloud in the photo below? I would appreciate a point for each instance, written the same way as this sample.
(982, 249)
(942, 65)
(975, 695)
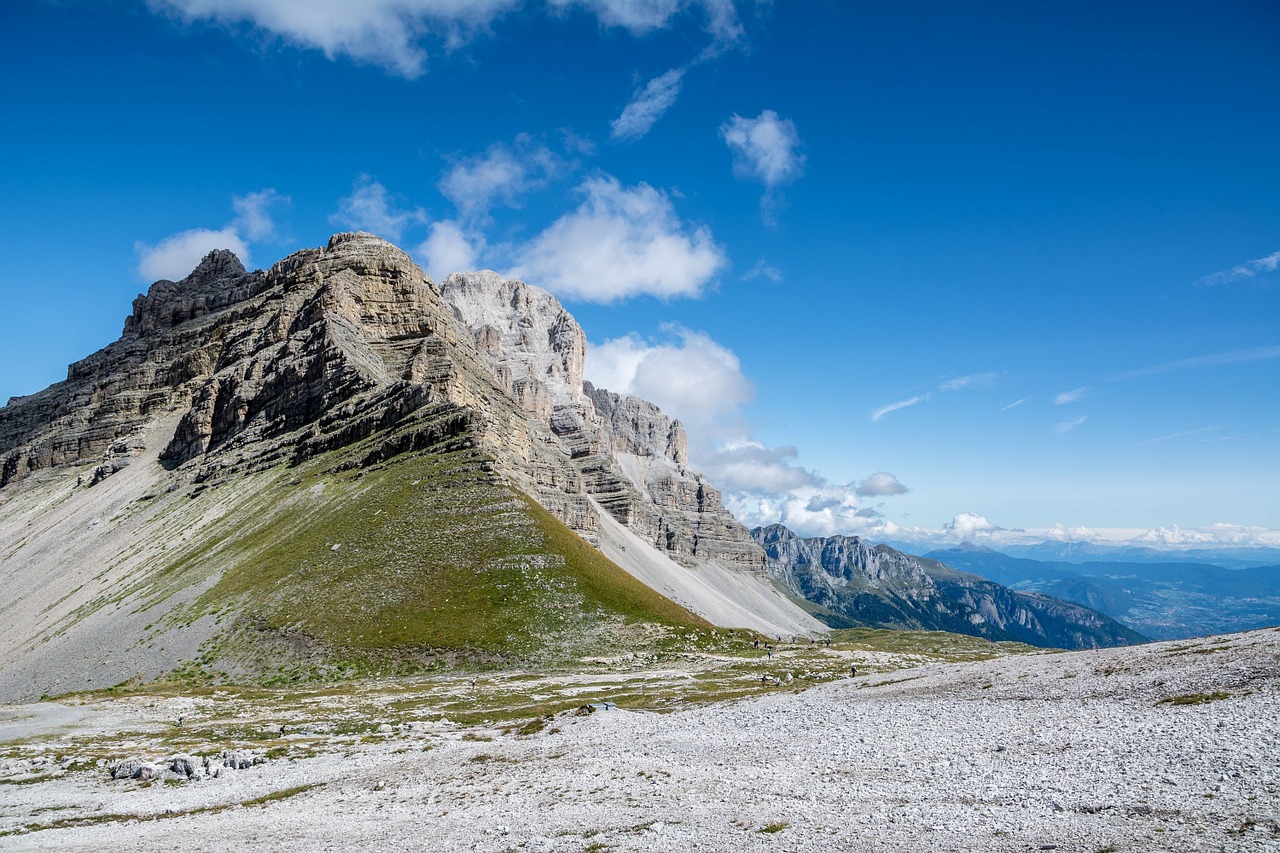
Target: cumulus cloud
(688, 375)
(748, 465)
(880, 484)
(647, 105)
(370, 207)
(1174, 535)
(384, 33)
(1061, 533)
(1242, 272)
(1071, 396)
(449, 249)
(621, 242)
(502, 175)
(970, 526)
(893, 407)
(1067, 426)
(765, 148)
(178, 254)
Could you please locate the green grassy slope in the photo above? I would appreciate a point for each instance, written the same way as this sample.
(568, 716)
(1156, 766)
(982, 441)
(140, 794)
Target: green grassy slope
(424, 562)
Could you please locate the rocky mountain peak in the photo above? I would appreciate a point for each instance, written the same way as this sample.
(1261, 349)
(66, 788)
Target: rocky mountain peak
(536, 347)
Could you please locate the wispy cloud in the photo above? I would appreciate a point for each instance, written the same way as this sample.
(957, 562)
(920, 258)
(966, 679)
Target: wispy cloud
(371, 207)
(967, 381)
(1249, 269)
(1067, 426)
(647, 105)
(1216, 360)
(1171, 436)
(1015, 403)
(893, 407)
(1072, 396)
(765, 269)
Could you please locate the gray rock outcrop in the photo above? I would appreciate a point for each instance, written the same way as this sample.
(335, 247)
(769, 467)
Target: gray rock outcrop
(621, 450)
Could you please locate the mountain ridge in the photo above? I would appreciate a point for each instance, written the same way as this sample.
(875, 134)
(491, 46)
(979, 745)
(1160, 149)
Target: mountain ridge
(878, 586)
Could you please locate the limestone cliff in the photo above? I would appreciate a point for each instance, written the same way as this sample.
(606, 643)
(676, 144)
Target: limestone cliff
(627, 454)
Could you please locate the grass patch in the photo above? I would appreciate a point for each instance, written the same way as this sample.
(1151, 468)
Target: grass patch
(771, 828)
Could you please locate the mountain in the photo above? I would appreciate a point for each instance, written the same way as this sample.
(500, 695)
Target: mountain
(334, 468)
(1234, 557)
(855, 583)
(1164, 600)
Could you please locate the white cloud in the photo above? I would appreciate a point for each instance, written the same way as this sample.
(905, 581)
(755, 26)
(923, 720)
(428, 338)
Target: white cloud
(880, 484)
(253, 213)
(620, 242)
(644, 16)
(765, 148)
(1067, 426)
(1070, 396)
(893, 407)
(647, 106)
(449, 249)
(747, 465)
(973, 379)
(970, 526)
(385, 33)
(177, 255)
(371, 208)
(1249, 269)
(391, 34)
(1174, 435)
(763, 268)
(1015, 404)
(1062, 533)
(502, 175)
(689, 376)
(1174, 535)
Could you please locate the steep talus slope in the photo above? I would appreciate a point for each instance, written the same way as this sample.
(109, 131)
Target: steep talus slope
(315, 470)
(858, 584)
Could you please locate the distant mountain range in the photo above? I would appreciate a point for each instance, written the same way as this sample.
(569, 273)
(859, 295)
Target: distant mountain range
(855, 583)
(1162, 599)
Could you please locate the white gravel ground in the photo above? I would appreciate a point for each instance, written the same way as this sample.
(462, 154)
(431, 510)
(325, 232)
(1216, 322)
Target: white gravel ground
(1073, 752)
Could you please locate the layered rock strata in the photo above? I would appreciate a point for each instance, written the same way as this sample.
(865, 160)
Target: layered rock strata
(626, 454)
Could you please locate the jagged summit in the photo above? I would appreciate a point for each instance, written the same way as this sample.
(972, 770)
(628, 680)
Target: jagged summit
(350, 464)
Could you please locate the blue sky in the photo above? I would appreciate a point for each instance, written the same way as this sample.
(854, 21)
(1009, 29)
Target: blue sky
(914, 270)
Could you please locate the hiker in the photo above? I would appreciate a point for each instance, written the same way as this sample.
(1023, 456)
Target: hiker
(853, 671)
(756, 643)
(281, 730)
(180, 719)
